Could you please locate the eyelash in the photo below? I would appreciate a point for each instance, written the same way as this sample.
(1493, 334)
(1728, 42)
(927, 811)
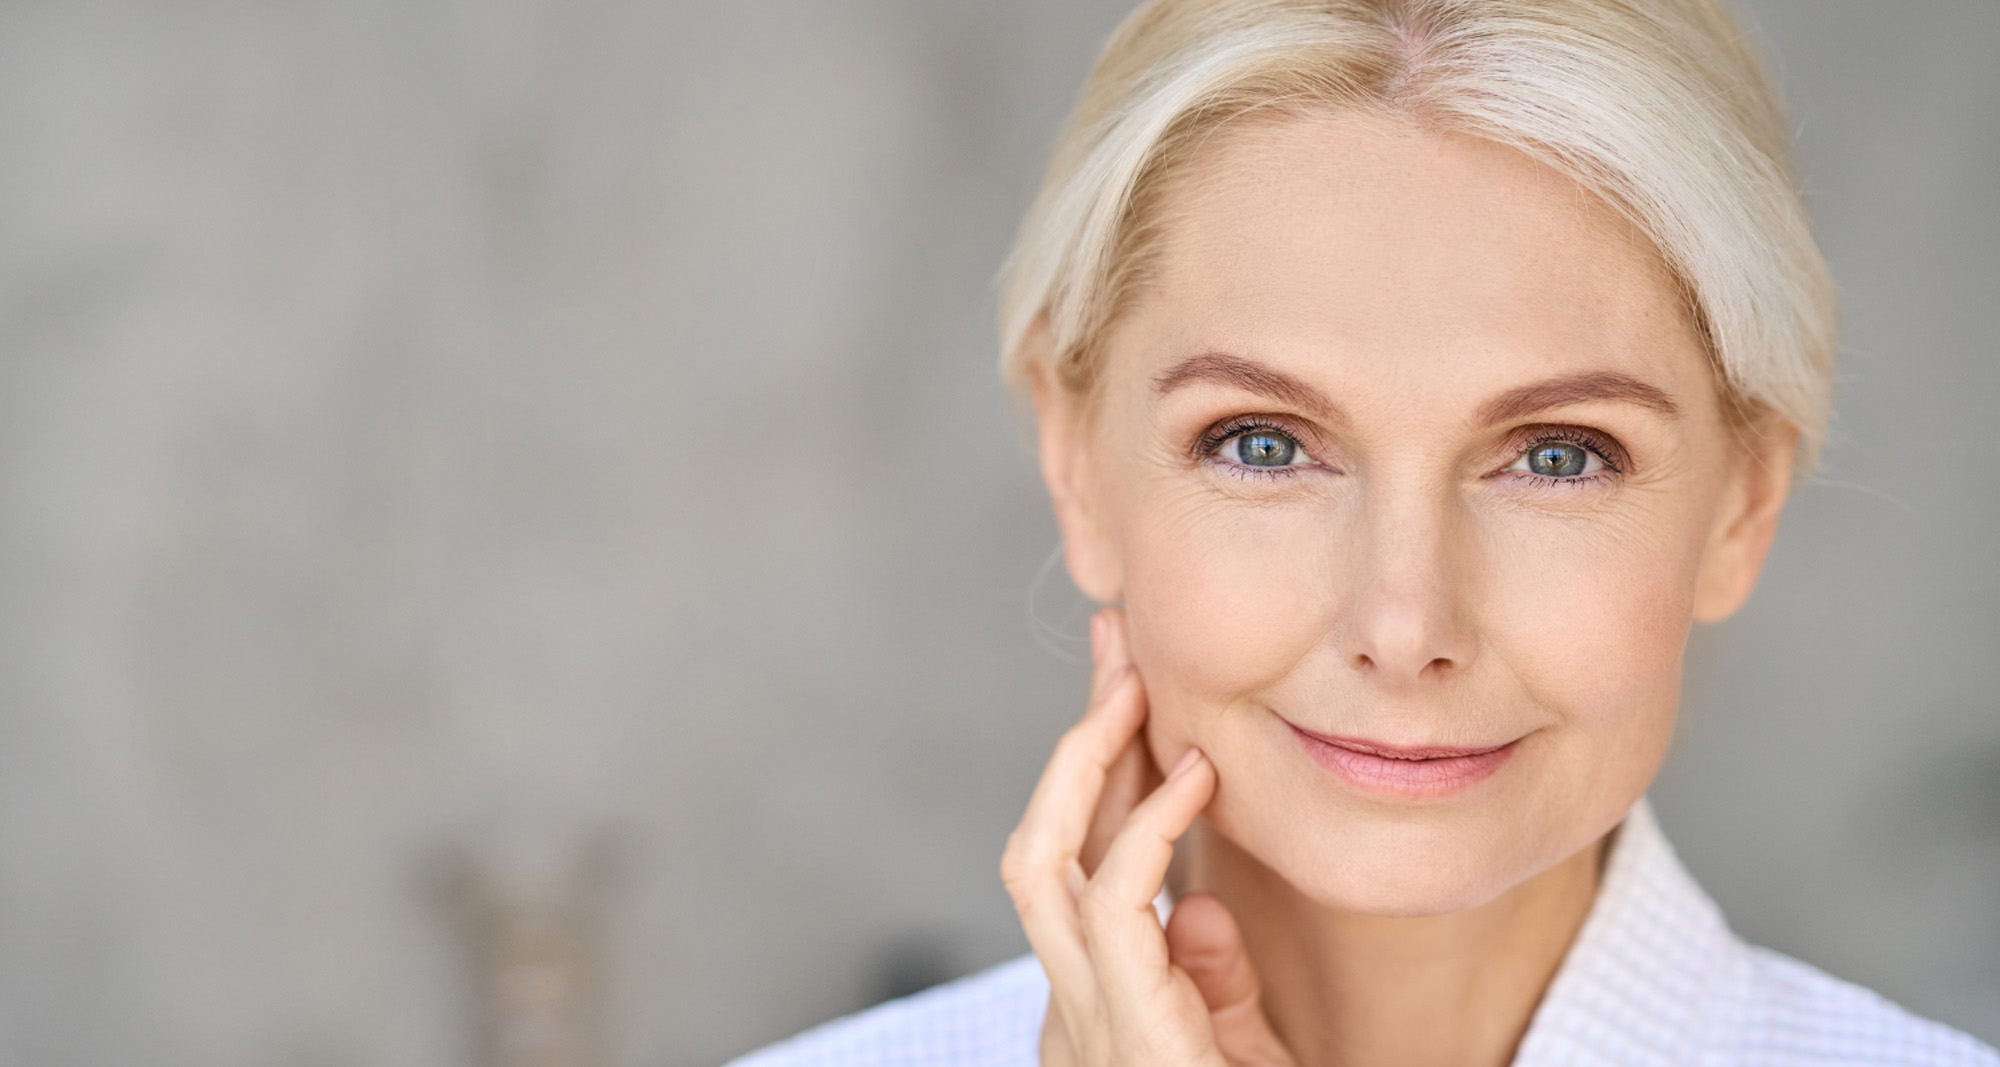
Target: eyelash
(1223, 432)
(1604, 448)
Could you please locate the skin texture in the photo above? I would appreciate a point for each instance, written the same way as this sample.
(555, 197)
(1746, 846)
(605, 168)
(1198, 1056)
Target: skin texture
(1406, 578)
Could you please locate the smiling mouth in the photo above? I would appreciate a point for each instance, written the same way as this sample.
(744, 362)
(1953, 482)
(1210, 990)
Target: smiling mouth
(1402, 752)
(1414, 772)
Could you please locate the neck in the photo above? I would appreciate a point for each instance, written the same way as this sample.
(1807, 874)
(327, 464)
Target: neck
(1349, 989)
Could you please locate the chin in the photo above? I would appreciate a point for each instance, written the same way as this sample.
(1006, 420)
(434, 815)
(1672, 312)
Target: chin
(1399, 891)
(1390, 864)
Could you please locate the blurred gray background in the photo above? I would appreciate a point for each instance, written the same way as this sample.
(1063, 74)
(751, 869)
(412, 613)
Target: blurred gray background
(510, 532)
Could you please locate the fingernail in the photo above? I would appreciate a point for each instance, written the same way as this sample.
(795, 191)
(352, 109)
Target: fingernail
(1188, 759)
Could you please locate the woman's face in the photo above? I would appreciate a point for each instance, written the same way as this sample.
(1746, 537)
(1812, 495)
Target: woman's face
(1410, 440)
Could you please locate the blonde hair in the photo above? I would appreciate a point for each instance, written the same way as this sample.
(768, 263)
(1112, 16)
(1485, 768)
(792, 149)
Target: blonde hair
(1658, 106)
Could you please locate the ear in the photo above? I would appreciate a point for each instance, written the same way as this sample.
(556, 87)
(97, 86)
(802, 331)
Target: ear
(1065, 447)
(1745, 525)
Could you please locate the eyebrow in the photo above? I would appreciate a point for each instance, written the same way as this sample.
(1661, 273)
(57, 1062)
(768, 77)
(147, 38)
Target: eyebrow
(1575, 389)
(1251, 376)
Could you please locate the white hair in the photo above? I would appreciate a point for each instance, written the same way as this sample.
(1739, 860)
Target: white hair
(1658, 106)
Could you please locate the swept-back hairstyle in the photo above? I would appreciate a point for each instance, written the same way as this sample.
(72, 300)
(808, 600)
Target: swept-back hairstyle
(1658, 106)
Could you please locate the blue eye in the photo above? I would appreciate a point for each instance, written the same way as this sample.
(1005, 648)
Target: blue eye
(1264, 449)
(1254, 448)
(1567, 455)
(1560, 460)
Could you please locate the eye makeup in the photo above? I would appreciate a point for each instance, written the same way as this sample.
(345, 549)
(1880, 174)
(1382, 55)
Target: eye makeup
(1210, 441)
(1614, 457)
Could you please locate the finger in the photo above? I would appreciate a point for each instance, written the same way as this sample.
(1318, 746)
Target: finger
(1130, 779)
(1040, 865)
(1204, 940)
(1103, 659)
(1056, 1047)
(1108, 653)
(1120, 927)
(1065, 800)
(1069, 796)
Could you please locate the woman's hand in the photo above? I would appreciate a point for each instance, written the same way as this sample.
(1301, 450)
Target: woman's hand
(1090, 854)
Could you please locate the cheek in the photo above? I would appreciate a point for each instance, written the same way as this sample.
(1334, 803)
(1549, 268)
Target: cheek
(1593, 635)
(1216, 604)
(1592, 619)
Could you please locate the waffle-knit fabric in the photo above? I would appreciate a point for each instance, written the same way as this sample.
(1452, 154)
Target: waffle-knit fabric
(1654, 977)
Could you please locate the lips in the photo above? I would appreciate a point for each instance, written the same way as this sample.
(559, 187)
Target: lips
(1377, 748)
(1403, 771)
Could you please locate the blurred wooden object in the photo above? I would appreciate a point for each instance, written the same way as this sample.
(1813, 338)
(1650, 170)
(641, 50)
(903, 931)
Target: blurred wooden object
(531, 913)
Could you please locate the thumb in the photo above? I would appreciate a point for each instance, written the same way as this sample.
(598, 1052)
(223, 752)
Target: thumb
(1203, 939)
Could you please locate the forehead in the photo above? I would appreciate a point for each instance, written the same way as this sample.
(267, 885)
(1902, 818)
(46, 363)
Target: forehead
(1355, 241)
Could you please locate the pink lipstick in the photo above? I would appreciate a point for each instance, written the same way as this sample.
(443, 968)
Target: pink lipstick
(1415, 772)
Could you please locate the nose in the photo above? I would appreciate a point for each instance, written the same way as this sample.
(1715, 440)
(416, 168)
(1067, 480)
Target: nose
(1404, 617)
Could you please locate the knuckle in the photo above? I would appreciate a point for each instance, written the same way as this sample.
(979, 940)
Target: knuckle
(1025, 905)
(1024, 853)
(1012, 878)
(1018, 866)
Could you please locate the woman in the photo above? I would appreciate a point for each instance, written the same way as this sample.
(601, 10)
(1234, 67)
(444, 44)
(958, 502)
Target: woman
(1410, 376)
